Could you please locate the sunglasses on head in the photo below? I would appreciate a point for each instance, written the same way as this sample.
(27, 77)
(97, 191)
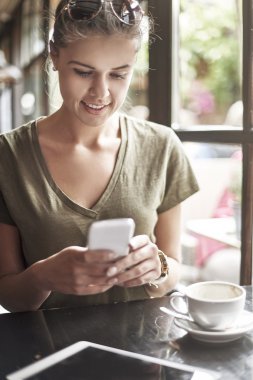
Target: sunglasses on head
(127, 11)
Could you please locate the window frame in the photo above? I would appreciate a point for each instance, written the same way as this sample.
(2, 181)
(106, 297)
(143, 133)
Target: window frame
(160, 82)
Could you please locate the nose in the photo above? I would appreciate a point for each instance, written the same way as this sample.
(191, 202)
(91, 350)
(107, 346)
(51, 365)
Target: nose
(99, 88)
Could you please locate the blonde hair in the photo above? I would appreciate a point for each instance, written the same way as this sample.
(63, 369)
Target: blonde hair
(67, 30)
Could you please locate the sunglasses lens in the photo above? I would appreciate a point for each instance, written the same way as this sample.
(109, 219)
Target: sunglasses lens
(83, 10)
(129, 11)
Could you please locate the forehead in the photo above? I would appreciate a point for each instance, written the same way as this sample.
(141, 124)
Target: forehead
(101, 51)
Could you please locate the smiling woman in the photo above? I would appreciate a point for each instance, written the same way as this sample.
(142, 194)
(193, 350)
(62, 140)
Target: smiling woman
(96, 72)
(85, 162)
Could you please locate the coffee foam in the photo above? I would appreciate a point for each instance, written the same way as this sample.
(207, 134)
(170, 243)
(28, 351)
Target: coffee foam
(215, 292)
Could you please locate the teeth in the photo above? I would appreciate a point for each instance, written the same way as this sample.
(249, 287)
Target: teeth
(95, 106)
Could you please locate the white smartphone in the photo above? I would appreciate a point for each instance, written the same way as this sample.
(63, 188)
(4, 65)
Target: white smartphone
(111, 234)
(87, 360)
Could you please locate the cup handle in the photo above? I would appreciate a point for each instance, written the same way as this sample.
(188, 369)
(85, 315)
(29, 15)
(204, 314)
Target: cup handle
(174, 306)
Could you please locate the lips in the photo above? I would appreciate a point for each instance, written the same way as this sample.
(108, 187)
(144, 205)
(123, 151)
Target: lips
(95, 107)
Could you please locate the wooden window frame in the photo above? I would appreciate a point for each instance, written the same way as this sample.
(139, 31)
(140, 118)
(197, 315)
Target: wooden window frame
(160, 82)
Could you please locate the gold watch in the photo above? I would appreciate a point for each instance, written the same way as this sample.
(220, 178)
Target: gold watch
(164, 270)
(164, 264)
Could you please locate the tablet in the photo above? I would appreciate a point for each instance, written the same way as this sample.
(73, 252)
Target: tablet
(91, 361)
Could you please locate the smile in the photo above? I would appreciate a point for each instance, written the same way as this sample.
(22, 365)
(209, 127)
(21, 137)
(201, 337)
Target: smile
(95, 106)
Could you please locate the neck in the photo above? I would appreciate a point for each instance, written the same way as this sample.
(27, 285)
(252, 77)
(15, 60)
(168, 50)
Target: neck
(60, 128)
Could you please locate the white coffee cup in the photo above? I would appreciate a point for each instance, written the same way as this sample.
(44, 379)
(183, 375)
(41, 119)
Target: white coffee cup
(213, 305)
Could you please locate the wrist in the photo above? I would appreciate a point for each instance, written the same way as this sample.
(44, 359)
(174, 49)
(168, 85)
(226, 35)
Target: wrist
(164, 270)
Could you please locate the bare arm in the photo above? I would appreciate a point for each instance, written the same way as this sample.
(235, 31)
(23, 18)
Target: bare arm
(168, 230)
(74, 270)
(17, 285)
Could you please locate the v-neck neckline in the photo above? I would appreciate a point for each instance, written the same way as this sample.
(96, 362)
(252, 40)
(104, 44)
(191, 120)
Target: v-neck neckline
(94, 210)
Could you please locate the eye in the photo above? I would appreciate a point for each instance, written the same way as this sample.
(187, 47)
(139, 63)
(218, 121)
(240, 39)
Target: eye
(118, 75)
(83, 74)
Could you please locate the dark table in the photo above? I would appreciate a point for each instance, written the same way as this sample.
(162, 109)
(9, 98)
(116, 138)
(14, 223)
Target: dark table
(137, 326)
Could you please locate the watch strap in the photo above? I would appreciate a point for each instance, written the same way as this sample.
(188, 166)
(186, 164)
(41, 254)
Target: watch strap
(164, 270)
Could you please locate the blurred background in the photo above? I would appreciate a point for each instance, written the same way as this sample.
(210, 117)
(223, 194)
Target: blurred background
(195, 76)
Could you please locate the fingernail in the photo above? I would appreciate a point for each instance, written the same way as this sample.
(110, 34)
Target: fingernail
(111, 271)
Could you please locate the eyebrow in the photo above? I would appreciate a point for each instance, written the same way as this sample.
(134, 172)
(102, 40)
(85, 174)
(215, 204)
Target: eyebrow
(93, 68)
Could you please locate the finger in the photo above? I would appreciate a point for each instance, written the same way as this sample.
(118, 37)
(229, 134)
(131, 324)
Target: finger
(138, 241)
(133, 258)
(142, 280)
(99, 256)
(75, 269)
(85, 286)
(95, 270)
(139, 271)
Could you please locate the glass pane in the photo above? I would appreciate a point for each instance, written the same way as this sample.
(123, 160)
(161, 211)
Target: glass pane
(31, 101)
(32, 38)
(207, 70)
(212, 217)
(137, 101)
(5, 104)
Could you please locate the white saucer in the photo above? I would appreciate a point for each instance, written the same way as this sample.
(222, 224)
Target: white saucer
(244, 325)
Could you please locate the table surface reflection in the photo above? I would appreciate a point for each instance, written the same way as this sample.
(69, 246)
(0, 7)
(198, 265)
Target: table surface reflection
(137, 326)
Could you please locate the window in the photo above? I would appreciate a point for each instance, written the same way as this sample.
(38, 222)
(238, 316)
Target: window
(201, 67)
(137, 102)
(32, 38)
(31, 95)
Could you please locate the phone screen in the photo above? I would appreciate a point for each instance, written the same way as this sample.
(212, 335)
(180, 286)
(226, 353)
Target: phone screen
(96, 364)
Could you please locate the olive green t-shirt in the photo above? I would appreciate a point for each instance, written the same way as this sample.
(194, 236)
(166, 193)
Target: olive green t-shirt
(151, 175)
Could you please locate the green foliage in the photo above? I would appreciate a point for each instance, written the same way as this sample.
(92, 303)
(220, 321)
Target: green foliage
(210, 41)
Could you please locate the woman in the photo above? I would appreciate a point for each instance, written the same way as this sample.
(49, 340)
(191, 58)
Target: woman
(88, 162)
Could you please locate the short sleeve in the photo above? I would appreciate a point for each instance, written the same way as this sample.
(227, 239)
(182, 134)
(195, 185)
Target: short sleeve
(181, 182)
(4, 212)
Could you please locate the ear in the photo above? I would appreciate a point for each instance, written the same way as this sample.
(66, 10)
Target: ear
(53, 51)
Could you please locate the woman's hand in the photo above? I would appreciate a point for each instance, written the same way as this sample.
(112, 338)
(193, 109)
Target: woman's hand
(140, 266)
(76, 270)
(79, 271)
